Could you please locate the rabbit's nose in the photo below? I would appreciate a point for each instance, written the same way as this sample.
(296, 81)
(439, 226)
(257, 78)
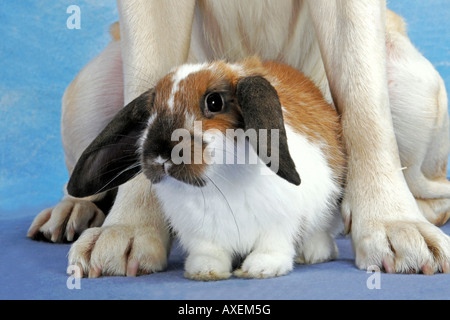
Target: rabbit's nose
(160, 160)
(166, 164)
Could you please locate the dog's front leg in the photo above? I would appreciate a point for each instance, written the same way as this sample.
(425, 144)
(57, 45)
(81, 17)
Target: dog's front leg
(386, 225)
(134, 238)
(155, 38)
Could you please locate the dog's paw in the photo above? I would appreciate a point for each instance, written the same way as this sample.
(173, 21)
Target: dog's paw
(66, 221)
(389, 231)
(402, 246)
(317, 249)
(119, 250)
(262, 265)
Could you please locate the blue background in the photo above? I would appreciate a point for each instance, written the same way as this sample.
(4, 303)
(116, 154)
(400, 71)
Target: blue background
(39, 56)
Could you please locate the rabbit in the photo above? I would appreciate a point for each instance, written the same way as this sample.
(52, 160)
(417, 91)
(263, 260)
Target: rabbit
(246, 205)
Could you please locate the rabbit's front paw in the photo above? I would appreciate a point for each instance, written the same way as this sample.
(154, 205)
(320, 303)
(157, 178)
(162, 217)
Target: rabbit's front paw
(208, 266)
(119, 250)
(265, 265)
(65, 221)
(319, 248)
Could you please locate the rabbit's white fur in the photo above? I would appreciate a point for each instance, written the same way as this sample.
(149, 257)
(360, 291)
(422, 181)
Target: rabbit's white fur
(255, 212)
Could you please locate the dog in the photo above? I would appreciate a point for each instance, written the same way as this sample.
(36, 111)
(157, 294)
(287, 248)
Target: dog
(392, 103)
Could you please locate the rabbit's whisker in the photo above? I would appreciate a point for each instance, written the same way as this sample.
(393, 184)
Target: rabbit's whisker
(133, 166)
(229, 206)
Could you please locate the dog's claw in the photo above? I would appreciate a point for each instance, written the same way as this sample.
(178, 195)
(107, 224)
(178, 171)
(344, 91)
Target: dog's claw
(389, 265)
(446, 267)
(348, 224)
(428, 270)
(95, 272)
(132, 268)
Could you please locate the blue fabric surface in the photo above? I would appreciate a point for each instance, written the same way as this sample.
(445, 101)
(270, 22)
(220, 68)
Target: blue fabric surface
(39, 56)
(36, 270)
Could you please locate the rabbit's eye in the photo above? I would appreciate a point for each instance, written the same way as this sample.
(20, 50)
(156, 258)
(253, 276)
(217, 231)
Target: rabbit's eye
(214, 102)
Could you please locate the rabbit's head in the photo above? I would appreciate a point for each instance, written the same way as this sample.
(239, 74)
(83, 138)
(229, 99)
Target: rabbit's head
(168, 131)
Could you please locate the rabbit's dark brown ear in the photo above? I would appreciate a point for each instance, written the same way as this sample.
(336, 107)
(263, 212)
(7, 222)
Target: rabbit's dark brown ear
(112, 158)
(261, 109)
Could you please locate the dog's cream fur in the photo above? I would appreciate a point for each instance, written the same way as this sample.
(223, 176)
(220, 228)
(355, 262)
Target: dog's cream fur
(361, 59)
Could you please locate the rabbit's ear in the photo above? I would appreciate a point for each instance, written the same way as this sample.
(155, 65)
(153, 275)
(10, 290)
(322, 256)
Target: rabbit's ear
(261, 109)
(112, 158)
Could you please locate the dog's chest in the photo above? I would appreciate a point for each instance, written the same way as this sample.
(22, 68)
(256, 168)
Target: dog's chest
(235, 28)
(280, 30)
